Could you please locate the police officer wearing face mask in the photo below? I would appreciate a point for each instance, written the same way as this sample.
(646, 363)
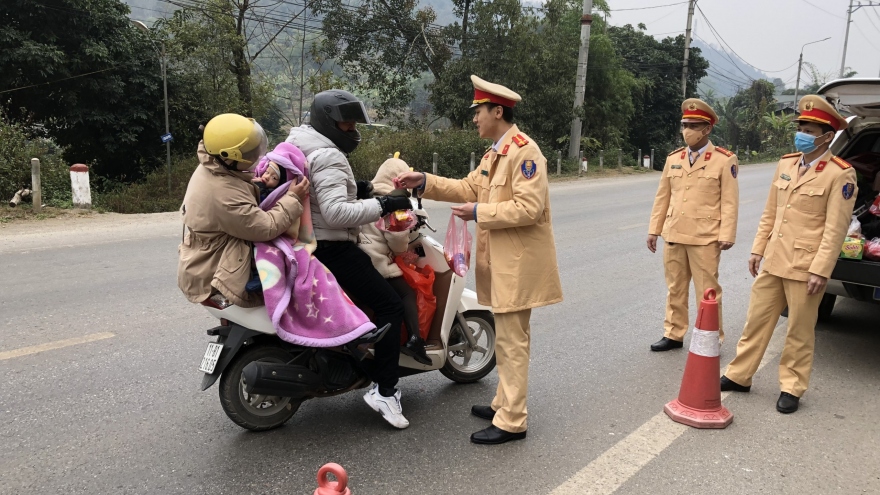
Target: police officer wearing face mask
(695, 211)
(799, 237)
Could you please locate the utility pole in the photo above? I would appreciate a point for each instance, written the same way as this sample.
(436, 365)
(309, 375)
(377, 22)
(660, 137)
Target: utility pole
(581, 83)
(849, 12)
(687, 49)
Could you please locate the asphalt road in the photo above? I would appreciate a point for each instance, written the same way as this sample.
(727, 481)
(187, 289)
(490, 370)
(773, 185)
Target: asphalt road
(120, 411)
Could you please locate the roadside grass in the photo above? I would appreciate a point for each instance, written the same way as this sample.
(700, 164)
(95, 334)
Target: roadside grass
(152, 194)
(25, 212)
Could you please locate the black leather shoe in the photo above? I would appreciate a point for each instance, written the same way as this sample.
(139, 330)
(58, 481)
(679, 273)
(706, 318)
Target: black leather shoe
(415, 348)
(666, 344)
(787, 403)
(483, 412)
(728, 385)
(495, 436)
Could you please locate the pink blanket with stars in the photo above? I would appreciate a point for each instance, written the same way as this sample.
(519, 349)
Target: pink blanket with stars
(304, 301)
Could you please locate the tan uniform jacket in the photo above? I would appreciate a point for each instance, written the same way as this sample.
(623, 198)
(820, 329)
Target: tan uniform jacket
(516, 253)
(697, 204)
(805, 221)
(222, 218)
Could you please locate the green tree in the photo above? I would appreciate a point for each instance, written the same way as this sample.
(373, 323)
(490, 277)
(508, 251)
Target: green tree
(383, 46)
(200, 45)
(656, 64)
(535, 53)
(79, 70)
(751, 105)
(777, 132)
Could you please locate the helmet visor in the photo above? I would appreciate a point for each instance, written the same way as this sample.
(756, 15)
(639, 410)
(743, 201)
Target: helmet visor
(350, 111)
(255, 146)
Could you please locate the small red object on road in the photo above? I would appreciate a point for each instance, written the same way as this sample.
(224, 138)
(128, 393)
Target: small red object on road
(327, 487)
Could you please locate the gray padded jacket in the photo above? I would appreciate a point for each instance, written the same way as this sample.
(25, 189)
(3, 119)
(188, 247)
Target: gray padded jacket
(337, 215)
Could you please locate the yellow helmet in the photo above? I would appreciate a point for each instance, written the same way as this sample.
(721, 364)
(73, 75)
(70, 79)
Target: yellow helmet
(233, 137)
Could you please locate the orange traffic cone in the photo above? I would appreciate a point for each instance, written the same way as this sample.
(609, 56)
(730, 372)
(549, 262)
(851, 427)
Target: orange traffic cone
(327, 487)
(699, 400)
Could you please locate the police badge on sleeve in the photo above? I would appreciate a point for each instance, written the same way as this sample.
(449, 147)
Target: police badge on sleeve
(529, 169)
(848, 190)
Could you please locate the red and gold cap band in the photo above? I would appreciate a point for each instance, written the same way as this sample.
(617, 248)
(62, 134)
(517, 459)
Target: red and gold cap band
(698, 114)
(481, 97)
(816, 115)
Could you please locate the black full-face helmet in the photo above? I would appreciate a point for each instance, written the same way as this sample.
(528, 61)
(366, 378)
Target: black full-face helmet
(336, 105)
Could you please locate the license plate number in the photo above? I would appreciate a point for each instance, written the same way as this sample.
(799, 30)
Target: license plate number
(877, 293)
(212, 355)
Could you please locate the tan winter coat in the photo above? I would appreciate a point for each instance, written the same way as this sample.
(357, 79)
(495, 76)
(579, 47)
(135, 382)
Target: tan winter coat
(698, 204)
(805, 220)
(516, 253)
(222, 218)
(383, 246)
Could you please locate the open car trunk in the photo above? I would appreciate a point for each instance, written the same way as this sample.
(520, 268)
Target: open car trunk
(859, 145)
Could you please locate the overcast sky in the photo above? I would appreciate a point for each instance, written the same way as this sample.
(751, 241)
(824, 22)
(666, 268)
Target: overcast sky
(768, 34)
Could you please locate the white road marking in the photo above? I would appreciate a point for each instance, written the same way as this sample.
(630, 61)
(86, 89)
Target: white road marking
(633, 226)
(58, 344)
(615, 466)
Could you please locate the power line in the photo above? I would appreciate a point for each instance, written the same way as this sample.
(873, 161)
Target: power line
(866, 36)
(823, 10)
(650, 7)
(872, 20)
(721, 40)
(61, 80)
(726, 55)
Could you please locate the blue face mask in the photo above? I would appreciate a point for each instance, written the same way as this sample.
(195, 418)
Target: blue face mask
(804, 142)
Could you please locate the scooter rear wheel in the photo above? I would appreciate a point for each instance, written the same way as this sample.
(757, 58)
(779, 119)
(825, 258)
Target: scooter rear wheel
(251, 411)
(466, 363)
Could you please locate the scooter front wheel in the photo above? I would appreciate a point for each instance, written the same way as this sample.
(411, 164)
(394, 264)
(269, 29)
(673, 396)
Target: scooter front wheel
(251, 411)
(470, 358)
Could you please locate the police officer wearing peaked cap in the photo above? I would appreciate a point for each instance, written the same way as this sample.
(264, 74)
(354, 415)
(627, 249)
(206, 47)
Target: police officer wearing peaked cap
(508, 198)
(695, 211)
(799, 237)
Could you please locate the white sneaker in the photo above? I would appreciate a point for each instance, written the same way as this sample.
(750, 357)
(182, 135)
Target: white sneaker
(388, 407)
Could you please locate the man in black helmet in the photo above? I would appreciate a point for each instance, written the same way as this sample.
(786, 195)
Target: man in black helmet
(337, 215)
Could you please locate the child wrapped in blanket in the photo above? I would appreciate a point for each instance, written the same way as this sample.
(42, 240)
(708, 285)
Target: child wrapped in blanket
(272, 177)
(271, 172)
(383, 246)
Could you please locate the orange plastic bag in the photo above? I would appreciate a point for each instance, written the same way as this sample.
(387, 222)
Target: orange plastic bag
(422, 282)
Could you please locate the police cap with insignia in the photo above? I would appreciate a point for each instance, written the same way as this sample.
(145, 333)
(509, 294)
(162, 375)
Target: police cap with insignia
(814, 108)
(697, 110)
(486, 92)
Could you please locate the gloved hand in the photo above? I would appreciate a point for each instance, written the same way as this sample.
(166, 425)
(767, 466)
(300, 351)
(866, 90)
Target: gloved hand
(364, 189)
(393, 203)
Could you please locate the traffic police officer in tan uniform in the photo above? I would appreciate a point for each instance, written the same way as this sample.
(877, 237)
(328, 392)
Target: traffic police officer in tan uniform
(516, 270)
(695, 212)
(799, 239)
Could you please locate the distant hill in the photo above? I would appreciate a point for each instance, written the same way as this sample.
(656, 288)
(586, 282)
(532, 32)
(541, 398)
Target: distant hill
(727, 72)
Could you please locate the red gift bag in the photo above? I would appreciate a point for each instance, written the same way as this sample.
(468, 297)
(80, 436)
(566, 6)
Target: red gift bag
(422, 282)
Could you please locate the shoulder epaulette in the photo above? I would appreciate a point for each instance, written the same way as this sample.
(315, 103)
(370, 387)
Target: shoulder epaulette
(723, 151)
(792, 155)
(520, 140)
(676, 151)
(841, 162)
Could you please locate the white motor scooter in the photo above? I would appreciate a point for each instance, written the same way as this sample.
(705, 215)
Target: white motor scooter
(263, 379)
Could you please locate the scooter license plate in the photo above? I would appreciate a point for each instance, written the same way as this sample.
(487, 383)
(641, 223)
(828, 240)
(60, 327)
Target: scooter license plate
(212, 355)
(877, 293)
